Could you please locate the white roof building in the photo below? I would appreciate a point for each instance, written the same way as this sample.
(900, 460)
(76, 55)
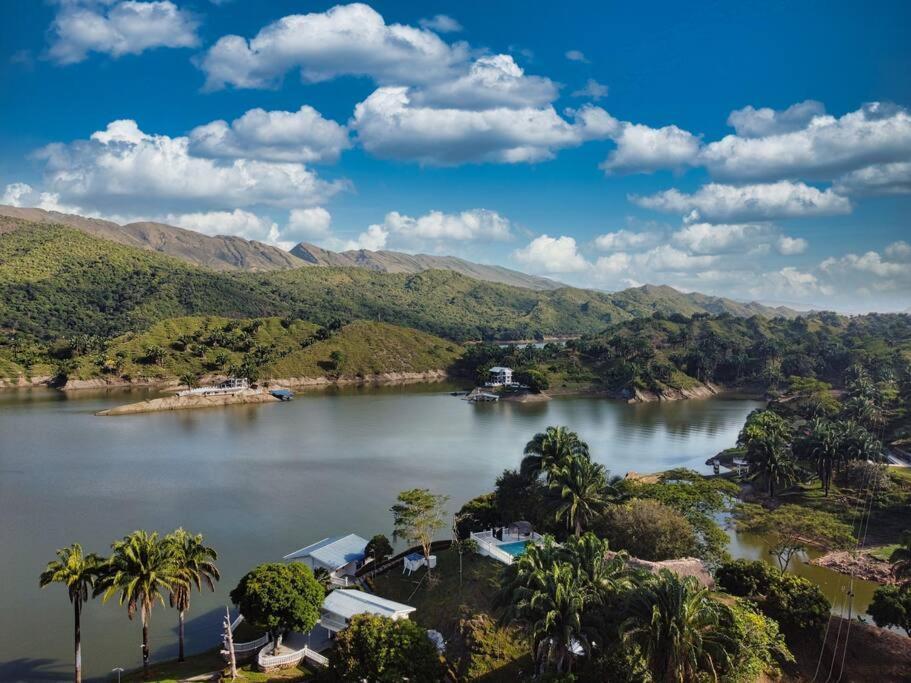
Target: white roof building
(341, 605)
(499, 375)
(338, 555)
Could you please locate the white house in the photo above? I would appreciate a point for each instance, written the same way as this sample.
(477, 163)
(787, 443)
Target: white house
(341, 605)
(499, 376)
(341, 556)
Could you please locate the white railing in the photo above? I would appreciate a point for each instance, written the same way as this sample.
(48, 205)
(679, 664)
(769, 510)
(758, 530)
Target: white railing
(236, 622)
(487, 546)
(339, 580)
(266, 661)
(240, 648)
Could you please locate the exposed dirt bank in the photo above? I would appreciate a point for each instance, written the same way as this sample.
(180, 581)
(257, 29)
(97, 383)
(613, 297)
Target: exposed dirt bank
(862, 565)
(525, 398)
(700, 391)
(156, 405)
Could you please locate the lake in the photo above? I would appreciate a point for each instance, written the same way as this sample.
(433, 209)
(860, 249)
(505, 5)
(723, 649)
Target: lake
(262, 481)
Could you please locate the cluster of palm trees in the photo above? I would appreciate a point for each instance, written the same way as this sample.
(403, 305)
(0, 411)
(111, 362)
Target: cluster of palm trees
(579, 488)
(577, 600)
(780, 453)
(142, 569)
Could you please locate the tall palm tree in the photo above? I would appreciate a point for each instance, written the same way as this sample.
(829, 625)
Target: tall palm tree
(819, 445)
(79, 572)
(555, 610)
(766, 436)
(194, 564)
(680, 629)
(550, 450)
(901, 558)
(578, 486)
(141, 569)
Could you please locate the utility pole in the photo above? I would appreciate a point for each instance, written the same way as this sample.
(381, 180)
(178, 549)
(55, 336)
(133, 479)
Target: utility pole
(229, 638)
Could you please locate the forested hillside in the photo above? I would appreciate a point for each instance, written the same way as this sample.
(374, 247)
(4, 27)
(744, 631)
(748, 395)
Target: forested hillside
(667, 354)
(57, 282)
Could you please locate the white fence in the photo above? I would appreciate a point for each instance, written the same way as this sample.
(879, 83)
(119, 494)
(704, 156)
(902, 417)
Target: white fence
(489, 545)
(250, 645)
(267, 662)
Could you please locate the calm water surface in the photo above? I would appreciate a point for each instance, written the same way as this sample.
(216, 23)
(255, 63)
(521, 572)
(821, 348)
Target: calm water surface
(262, 481)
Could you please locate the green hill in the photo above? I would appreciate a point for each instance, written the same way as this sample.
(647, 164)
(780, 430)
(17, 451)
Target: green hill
(665, 355)
(260, 348)
(57, 282)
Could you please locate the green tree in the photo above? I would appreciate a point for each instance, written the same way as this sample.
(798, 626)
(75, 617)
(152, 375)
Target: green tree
(766, 437)
(901, 558)
(79, 572)
(648, 529)
(190, 380)
(417, 516)
(550, 450)
(379, 548)
(194, 566)
(681, 631)
(141, 569)
(790, 528)
(891, 607)
(375, 648)
(554, 610)
(818, 443)
(578, 487)
(279, 597)
(535, 380)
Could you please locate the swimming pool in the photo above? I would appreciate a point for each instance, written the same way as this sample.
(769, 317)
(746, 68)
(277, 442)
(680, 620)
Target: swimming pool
(515, 549)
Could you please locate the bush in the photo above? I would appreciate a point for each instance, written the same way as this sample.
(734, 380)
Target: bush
(478, 514)
(891, 607)
(798, 605)
(745, 578)
(647, 529)
(760, 646)
(379, 649)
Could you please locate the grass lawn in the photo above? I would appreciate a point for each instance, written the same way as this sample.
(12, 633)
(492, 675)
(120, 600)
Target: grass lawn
(477, 647)
(208, 662)
(884, 552)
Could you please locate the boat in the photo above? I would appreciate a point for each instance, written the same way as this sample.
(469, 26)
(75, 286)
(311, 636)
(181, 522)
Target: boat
(282, 394)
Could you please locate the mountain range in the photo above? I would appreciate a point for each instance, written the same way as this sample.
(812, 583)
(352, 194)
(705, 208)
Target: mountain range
(63, 274)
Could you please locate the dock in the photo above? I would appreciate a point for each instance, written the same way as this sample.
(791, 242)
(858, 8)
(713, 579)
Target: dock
(480, 396)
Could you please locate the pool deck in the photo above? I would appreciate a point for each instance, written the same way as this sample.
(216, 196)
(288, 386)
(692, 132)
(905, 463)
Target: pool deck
(491, 546)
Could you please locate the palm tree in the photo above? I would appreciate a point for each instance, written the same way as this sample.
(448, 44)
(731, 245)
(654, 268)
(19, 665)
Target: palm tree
(766, 436)
(554, 610)
(78, 572)
(579, 489)
(901, 558)
(680, 629)
(194, 564)
(141, 568)
(819, 444)
(550, 450)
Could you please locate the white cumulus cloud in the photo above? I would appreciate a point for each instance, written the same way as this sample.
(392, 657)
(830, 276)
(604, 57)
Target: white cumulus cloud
(474, 224)
(238, 222)
(441, 23)
(878, 179)
(789, 246)
(307, 224)
(296, 136)
(641, 149)
(750, 122)
(389, 124)
(123, 169)
(719, 202)
(345, 40)
(118, 28)
(826, 147)
(624, 239)
(546, 254)
(592, 90)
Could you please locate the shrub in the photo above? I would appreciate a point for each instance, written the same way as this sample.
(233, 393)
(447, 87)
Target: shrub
(745, 578)
(377, 648)
(478, 514)
(647, 529)
(798, 605)
(891, 606)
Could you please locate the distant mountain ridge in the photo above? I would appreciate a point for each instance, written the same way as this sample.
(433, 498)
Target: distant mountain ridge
(399, 262)
(228, 254)
(219, 252)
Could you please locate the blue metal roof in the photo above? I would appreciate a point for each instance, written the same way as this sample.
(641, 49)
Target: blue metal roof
(333, 552)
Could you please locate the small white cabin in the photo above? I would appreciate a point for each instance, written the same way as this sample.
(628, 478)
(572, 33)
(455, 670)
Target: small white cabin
(341, 605)
(499, 376)
(341, 556)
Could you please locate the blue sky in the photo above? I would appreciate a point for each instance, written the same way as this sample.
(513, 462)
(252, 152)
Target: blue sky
(759, 152)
